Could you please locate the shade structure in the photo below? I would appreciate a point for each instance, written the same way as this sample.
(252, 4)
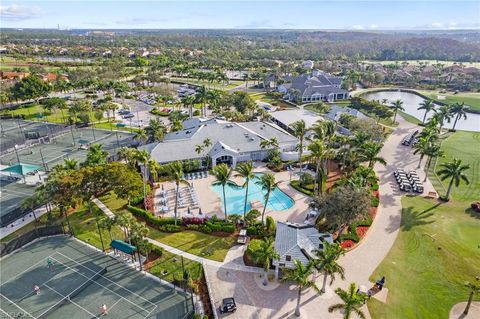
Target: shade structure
(21, 169)
(123, 246)
(83, 142)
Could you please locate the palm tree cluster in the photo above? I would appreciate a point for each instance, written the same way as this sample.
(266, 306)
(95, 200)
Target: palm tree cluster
(444, 113)
(429, 145)
(325, 145)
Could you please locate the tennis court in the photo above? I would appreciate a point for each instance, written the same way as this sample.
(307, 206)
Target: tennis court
(79, 282)
(12, 195)
(70, 144)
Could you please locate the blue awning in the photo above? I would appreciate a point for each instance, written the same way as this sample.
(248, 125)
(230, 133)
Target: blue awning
(123, 246)
(21, 169)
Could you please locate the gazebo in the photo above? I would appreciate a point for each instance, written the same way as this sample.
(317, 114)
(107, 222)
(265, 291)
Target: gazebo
(124, 247)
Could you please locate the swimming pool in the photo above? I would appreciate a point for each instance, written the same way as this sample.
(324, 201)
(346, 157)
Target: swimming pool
(236, 197)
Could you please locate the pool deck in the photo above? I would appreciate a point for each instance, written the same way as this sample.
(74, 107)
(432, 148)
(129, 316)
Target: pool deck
(210, 203)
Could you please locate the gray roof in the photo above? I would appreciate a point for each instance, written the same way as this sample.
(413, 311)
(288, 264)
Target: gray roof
(287, 117)
(237, 137)
(309, 84)
(336, 110)
(299, 242)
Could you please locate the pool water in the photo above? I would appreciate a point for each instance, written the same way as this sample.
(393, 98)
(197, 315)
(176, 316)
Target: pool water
(236, 197)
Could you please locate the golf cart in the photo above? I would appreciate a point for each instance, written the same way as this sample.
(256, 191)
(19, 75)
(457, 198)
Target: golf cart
(228, 305)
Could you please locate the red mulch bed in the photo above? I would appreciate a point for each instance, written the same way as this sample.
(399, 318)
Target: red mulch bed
(362, 230)
(376, 194)
(346, 244)
(373, 212)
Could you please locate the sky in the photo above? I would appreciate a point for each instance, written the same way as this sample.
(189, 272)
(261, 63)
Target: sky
(249, 14)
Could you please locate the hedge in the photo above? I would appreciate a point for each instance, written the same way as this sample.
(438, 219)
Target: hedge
(157, 250)
(296, 185)
(169, 228)
(150, 218)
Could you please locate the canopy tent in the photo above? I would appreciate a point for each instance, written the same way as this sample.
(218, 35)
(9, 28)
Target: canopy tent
(21, 169)
(83, 142)
(123, 246)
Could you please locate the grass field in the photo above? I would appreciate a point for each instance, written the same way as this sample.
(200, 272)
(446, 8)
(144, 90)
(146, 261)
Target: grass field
(469, 98)
(437, 248)
(409, 118)
(196, 243)
(264, 98)
(169, 267)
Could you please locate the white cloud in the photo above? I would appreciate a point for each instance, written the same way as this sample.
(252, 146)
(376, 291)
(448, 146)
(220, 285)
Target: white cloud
(373, 26)
(436, 25)
(358, 27)
(15, 12)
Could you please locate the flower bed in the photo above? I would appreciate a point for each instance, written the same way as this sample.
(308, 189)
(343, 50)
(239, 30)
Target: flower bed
(361, 231)
(347, 244)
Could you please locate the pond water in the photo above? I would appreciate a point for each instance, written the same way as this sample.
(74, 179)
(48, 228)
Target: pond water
(412, 101)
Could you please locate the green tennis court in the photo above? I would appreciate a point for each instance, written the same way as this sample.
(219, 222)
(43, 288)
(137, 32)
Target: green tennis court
(80, 280)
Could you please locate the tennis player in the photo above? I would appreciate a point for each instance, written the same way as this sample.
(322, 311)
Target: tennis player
(103, 309)
(49, 262)
(36, 289)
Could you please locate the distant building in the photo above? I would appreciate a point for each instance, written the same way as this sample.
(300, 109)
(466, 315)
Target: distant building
(297, 242)
(308, 64)
(309, 88)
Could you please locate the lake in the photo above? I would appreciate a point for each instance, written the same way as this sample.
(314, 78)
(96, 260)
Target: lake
(412, 101)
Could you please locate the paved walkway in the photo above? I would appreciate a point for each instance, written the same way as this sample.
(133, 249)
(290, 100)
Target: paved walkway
(104, 208)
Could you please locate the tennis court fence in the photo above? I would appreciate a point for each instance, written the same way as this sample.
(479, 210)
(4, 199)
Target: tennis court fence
(16, 243)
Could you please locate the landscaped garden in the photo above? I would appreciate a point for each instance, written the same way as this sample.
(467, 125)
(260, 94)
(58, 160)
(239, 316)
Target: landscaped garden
(436, 250)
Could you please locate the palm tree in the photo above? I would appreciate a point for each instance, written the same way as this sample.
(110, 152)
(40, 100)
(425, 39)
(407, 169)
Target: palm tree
(245, 170)
(397, 106)
(428, 106)
(352, 302)
(202, 97)
(189, 101)
(327, 262)
(264, 255)
(432, 151)
(419, 148)
(443, 114)
(155, 130)
(369, 153)
(70, 164)
(301, 275)
(268, 184)
(474, 290)
(96, 155)
(299, 130)
(154, 168)
(458, 110)
(141, 136)
(270, 144)
(142, 156)
(107, 223)
(318, 152)
(453, 170)
(222, 174)
(175, 172)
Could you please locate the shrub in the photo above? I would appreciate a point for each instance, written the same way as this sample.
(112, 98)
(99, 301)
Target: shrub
(196, 113)
(251, 216)
(193, 227)
(157, 250)
(375, 202)
(205, 229)
(374, 187)
(253, 246)
(150, 218)
(271, 226)
(296, 185)
(352, 235)
(227, 228)
(170, 228)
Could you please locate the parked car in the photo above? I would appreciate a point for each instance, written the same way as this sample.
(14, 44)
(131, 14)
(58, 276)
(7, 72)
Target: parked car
(123, 111)
(228, 305)
(128, 116)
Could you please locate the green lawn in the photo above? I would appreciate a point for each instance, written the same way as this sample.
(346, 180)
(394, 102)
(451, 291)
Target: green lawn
(169, 267)
(196, 243)
(437, 248)
(409, 118)
(469, 98)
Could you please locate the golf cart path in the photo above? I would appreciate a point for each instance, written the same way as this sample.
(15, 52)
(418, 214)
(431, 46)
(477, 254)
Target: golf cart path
(457, 310)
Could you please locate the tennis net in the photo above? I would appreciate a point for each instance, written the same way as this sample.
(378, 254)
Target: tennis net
(73, 294)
